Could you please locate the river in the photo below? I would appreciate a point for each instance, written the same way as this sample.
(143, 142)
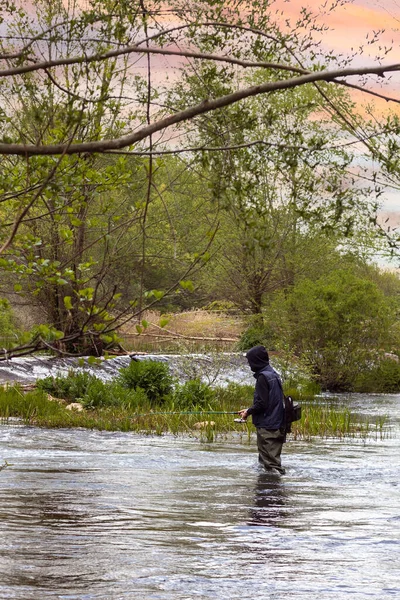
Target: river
(115, 516)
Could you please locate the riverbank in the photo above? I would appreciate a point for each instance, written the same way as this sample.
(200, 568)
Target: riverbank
(320, 418)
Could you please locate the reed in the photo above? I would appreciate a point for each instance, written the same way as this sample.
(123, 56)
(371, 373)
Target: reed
(333, 420)
(204, 423)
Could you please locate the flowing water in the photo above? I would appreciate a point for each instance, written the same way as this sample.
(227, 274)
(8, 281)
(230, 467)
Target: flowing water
(218, 368)
(93, 515)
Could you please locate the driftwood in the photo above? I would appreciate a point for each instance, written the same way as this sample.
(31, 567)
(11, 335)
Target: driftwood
(178, 336)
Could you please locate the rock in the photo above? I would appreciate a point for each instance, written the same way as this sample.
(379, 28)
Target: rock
(53, 399)
(75, 406)
(203, 424)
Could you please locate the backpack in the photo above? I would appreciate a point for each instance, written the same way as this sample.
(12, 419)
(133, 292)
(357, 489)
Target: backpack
(292, 412)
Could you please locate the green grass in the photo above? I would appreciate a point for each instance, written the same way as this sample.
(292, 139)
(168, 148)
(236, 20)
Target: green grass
(35, 408)
(321, 420)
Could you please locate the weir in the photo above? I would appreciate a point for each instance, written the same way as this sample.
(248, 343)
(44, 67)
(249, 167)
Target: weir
(214, 369)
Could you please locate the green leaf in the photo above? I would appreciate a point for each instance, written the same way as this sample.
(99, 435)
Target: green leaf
(107, 338)
(163, 321)
(187, 285)
(68, 302)
(145, 324)
(158, 294)
(139, 329)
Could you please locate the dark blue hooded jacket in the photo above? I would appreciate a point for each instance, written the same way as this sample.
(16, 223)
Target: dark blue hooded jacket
(267, 410)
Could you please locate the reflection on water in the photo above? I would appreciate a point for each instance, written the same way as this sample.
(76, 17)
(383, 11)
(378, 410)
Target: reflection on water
(269, 500)
(88, 515)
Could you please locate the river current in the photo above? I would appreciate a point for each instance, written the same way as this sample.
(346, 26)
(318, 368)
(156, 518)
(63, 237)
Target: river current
(90, 515)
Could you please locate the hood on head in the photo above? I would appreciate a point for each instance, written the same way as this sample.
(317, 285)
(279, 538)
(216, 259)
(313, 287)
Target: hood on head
(258, 358)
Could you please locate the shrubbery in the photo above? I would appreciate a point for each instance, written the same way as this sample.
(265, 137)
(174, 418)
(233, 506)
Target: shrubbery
(383, 378)
(142, 382)
(69, 387)
(194, 393)
(152, 377)
(100, 394)
(256, 333)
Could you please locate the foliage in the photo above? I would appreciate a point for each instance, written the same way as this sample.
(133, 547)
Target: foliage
(81, 258)
(151, 376)
(101, 394)
(234, 394)
(335, 323)
(91, 391)
(35, 408)
(7, 325)
(28, 406)
(383, 377)
(194, 394)
(91, 239)
(71, 387)
(257, 332)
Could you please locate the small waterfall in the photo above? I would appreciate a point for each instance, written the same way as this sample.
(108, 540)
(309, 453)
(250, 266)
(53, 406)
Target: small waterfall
(214, 369)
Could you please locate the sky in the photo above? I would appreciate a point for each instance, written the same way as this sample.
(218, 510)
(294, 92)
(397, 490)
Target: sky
(350, 25)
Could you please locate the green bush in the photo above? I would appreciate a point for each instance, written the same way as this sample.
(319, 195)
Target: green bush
(152, 377)
(252, 336)
(257, 332)
(100, 394)
(69, 387)
(384, 378)
(336, 323)
(194, 393)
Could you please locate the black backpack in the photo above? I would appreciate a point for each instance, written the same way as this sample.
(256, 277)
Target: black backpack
(292, 412)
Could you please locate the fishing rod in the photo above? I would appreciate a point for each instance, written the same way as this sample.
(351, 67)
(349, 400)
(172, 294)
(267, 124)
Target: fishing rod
(192, 412)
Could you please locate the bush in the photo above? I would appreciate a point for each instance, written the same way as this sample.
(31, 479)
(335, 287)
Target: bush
(6, 318)
(257, 333)
(336, 323)
(384, 378)
(152, 377)
(69, 387)
(100, 395)
(252, 336)
(194, 393)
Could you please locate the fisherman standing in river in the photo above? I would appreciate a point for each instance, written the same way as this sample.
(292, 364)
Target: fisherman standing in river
(267, 410)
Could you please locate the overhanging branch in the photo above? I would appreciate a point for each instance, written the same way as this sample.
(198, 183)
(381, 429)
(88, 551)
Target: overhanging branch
(208, 105)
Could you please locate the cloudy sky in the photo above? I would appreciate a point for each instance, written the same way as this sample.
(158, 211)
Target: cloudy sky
(350, 25)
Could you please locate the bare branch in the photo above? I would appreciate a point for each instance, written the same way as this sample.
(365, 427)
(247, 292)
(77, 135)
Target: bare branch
(205, 149)
(32, 40)
(74, 60)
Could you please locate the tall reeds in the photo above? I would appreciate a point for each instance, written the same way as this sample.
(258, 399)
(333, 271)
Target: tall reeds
(205, 423)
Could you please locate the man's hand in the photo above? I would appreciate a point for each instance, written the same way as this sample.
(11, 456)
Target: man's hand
(243, 414)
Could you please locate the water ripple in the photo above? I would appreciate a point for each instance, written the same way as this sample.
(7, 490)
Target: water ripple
(90, 515)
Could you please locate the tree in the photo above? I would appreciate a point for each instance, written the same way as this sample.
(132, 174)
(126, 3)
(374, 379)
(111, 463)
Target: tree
(78, 81)
(339, 324)
(280, 195)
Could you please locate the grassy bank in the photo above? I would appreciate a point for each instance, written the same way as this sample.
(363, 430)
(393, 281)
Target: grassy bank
(207, 424)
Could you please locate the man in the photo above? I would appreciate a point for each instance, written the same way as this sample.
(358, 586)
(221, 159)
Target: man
(267, 410)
